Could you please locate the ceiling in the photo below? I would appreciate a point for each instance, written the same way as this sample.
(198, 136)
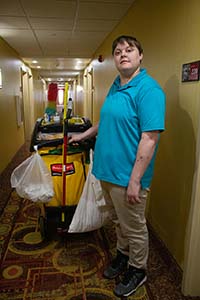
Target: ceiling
(61, 35)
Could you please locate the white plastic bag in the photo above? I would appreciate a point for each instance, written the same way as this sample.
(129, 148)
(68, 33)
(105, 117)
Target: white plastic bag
(91, 212)
(32, 179)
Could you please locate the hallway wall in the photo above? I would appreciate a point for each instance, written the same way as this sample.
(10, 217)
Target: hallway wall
(12, 136)
(33, 100)
(168, 31)
(39, 95)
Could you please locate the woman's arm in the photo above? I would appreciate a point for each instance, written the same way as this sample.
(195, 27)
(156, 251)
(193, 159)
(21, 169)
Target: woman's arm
(145, 152)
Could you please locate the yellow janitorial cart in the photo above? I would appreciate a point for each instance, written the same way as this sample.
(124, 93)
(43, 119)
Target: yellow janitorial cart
(68, 165)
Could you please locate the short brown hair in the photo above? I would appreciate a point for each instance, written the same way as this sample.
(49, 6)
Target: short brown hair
(132, 41)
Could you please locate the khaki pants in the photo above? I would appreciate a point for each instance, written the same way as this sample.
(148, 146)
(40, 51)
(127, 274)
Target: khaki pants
(130, 222)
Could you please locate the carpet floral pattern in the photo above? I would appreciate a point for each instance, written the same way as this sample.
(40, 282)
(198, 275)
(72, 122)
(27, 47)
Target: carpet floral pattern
(33, 269)
(60, 269)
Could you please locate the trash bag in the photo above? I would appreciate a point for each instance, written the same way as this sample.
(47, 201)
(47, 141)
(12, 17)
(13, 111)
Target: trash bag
(32, 180)
(91, 212)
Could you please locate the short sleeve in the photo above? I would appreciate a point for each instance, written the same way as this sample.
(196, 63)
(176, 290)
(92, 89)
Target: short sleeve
(151, 110)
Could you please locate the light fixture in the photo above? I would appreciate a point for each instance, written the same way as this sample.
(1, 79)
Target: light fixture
(60, 96)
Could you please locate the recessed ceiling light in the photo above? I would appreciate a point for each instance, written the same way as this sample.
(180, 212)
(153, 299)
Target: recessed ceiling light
(38, 67)
(34, 61)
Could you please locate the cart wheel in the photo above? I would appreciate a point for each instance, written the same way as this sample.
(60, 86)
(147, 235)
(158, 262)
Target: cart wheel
(43, 227)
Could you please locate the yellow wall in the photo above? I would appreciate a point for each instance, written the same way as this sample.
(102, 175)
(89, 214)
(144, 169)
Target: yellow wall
(169, 32)
(39, 96)
(78, 101)
(28, 104)
(17, 83)
(12, 136)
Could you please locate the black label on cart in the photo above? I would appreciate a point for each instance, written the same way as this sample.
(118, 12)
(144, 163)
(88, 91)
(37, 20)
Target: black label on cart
(57, 169)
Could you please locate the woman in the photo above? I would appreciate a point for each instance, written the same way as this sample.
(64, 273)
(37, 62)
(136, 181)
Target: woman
(131, 120)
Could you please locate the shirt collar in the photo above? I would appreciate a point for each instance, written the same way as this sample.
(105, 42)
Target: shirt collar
(132, 82)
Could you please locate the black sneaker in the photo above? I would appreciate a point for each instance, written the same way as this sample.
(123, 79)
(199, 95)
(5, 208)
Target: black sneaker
(131, 281)
(117, 266)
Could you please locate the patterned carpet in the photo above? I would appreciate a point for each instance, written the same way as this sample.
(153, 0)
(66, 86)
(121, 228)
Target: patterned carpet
(66, 268)
(69, 268)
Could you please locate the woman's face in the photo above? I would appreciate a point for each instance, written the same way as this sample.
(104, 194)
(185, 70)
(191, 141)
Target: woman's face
(127, 58)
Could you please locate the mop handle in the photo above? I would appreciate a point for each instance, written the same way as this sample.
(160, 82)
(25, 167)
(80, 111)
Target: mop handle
(65, 140)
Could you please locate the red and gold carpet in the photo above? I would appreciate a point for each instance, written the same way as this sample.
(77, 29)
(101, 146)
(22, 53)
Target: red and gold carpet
(32, 269)
(61, 269)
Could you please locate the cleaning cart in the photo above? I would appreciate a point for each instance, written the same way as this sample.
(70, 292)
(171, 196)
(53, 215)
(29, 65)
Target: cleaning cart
(68, 165)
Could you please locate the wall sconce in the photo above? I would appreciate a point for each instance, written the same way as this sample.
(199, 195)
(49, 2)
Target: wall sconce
(0, 80)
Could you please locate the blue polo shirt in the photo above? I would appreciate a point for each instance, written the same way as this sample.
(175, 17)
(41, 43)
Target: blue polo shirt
(128, 110)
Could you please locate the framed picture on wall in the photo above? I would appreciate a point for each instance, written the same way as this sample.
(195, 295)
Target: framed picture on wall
(191, 71)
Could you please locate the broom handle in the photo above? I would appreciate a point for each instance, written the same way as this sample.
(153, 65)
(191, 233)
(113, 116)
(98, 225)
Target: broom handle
(65, 145)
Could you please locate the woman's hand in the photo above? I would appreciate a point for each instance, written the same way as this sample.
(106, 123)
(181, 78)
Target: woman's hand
(91, 132)
(133, 192)
(75, 138)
